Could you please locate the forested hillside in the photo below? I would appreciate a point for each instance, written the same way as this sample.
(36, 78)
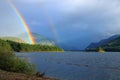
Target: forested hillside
(22, 47)
(113, 45)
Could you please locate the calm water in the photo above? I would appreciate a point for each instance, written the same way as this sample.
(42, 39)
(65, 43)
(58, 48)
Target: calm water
(77, 65)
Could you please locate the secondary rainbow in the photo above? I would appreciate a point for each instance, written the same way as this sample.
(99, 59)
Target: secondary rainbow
(51, 23)
(24, 24)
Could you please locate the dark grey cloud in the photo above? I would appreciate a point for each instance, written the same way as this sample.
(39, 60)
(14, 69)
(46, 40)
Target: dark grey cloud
(76, 21)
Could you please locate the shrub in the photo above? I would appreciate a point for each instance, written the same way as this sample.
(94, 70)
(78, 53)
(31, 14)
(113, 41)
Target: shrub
(9, 62)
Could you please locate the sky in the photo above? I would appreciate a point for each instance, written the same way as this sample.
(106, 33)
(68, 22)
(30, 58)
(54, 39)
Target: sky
(71, 23)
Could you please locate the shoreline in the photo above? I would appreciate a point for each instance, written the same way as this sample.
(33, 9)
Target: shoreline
(5, 75)
(40, 51)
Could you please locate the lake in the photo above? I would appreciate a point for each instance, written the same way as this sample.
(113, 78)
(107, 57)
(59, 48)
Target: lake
(76, 65)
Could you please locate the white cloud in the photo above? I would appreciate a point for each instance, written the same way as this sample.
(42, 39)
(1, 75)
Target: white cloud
(72, 6)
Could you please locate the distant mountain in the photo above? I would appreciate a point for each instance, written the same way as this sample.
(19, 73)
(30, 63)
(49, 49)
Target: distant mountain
(110, 44)
(103, 42)
(15, 39)
(69, 46)
(39, 39)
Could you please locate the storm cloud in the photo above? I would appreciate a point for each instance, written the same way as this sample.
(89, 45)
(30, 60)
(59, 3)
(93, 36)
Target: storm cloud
(77, 22)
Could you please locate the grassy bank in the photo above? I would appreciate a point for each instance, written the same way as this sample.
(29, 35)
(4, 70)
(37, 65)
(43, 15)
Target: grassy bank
(9, 62)
(13, 68)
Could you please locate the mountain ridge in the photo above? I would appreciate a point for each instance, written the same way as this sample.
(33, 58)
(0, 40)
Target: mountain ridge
(102, 42)
(39, 39)
(112, 44)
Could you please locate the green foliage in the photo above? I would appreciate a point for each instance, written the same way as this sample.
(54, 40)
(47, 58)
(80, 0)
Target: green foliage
(15, 39)
(113, 46)
(4, 46)
(21, 47)
(9, 62)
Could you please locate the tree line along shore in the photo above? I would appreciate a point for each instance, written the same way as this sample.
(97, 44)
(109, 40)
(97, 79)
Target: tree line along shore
(13, 68)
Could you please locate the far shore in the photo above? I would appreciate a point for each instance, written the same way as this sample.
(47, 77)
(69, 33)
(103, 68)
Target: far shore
(40, 51)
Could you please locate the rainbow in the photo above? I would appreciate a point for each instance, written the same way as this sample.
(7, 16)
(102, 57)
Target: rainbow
(24, 24)
(51, 23)
(52, 26)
